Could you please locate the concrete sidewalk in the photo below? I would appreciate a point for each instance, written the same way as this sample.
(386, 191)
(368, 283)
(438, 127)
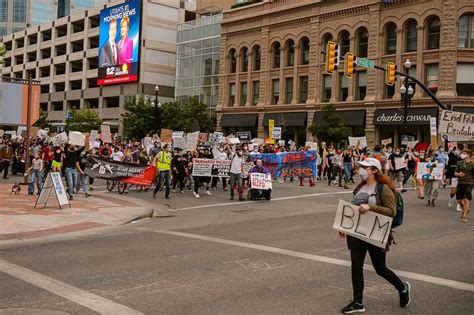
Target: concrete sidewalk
(19, 219)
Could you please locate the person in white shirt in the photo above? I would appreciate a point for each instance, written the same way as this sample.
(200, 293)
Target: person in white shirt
(236, 174)
(117, 155)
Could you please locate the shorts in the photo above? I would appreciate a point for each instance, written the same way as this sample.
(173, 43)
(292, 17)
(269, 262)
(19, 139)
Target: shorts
(454, 182)
(464, 192)
(57, 164)
(396, 175)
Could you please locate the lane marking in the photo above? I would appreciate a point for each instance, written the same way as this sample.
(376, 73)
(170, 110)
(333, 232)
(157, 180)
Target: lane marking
(340, 262)
(273, 199)
(69, 292)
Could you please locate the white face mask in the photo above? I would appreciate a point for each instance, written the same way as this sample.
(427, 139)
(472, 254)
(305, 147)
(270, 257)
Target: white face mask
(363, 174)
(463, 156)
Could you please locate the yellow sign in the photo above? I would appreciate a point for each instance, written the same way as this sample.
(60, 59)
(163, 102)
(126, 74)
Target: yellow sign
(271, 125)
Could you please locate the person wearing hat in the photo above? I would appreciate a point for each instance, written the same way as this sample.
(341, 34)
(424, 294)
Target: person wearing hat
(366, 197)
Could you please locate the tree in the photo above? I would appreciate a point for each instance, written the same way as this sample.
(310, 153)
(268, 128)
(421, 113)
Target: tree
(43, 122)
(83, 120)
(140, 119)
(190, 115)
(3, 51)
(334, 129)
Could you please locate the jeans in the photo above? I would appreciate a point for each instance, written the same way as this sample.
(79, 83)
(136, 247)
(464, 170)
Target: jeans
(347, 171)
(35, 175)
(236, 178)
(359, 249)
(71, 178)
(164, 176)
(84, 180)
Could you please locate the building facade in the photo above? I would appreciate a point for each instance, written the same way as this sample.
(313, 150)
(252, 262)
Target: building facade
(63, 56)
(272, 66)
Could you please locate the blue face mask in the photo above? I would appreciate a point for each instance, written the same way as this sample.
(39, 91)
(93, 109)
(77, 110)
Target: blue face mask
(363, 174)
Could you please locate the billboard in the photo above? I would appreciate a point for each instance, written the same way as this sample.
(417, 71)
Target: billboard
(14, 101)
(119, 43)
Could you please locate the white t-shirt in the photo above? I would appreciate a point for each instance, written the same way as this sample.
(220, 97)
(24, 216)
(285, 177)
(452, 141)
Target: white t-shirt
(236, 165)
(116, 156)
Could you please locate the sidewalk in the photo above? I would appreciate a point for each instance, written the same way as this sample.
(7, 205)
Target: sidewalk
(19, 219)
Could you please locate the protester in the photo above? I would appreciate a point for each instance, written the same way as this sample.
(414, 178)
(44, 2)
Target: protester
(236, 174)
(6, 155)
(453, 158)
(431, 185)
(179, 170)
(58, 158)
(70, 161)
(465, 174)
(394, 173)
(47, 155)
(347, 162)
(82, 176)
(163, 165)
(36, 171)
(256, 193)
(220, 153)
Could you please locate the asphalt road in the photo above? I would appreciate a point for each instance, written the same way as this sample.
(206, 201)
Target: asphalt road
(221, 257)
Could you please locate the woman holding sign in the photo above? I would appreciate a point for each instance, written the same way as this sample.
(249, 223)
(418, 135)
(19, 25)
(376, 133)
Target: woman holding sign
(375, 193)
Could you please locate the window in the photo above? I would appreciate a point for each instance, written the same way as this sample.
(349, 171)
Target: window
(432, 77)
(465, 79)
(433, 31)
(303, 89)
(327, 84)
(390, 39)
(466, 31)
(275, 91)
(290, 53)
(289, 90)
(231, 94)
(361, 85)
(3, 11)
(244, 53)
(17, 29)
(233, 61)
(276, 55)
(344, 92)
(411, 36)
(3, 31)
(344, 42)
(326, 38)
(304, 51)
(243, 93)
(362, 43)
(256, 92)
(19, 11)
(257, 58)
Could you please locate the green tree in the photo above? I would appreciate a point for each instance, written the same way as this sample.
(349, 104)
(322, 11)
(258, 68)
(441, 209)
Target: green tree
(83, 120)
(43, 122)
(3, 51)
(334, 129)
(190, 115)
(140, 118)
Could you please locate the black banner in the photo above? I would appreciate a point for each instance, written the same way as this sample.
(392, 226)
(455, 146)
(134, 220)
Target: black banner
(105, 169)
(245, 136)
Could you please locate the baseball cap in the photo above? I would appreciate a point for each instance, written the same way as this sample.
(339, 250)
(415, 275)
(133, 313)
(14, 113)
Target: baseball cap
(371, 162)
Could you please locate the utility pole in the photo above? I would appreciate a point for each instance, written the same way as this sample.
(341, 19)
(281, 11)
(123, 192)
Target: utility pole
(28, 128)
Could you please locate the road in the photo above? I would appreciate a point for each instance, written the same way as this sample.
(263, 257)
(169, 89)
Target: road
(221, 257)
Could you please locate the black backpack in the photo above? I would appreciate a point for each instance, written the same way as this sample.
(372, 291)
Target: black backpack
(398, 218)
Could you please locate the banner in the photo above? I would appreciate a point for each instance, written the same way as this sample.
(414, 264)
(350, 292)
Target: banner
(208, 168)
(456, 124)
(371, 227)
(360, 142)
(245, 136)
(261, 181)
(289, 164)
(427, 171)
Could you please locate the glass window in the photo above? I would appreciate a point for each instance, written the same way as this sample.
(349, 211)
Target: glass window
(276, 55)
(4, 11)
(19, 11)
(411, 36)
(257, 57)
(3, 31)
(465, 79)
(466, 31)
(256, 92)
(344, 92)
(432, 33)
(432, 77)
(233, 61)
(361, 85)
(303, 89)
(327, 88)
(304, 51)
(290, 53)
(289, 90)
(231, 94)
(41, 12)
(344, 42)
(245, 59)
(363, 43)
(17, 29)
(390, 39)
(243, 93)
(275, 91)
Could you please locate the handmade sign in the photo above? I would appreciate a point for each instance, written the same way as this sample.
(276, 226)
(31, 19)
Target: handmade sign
(260, 181)
(360, 142)
(93, 135)
(105, 133)
(76, 138)
(234, 140)
(276, 133)
(433, 129)
(311, 145)
(456, 124)
(386, 141)
(246, 166)
(179, 142)
(192, 141)
(371, 227)
(216, 138)
(399, 163)
(209, 167)
(177, 134)
(60, 139)
(428, 171)
(281, 143)
(203, 137)
(42, 133)
(257, 141)
(166, 135)
(244, 136)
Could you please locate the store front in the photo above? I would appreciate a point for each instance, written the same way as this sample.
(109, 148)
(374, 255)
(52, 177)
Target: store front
(293, 125)
(233, 123)
(389, 124)
(352, 118)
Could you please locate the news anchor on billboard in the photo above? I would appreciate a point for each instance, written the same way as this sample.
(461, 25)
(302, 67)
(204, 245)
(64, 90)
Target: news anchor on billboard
(109, 53)
(125, 44)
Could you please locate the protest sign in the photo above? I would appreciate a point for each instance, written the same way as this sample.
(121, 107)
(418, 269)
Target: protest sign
(260, 181)
(21, 131)
(399, 163)
(311, 145)
(234, 140)
(244, 136)
(360, 142)
(281, 143)
(216, 138)
(105, 133)
(371, 227)
(427, 171)
(179, 142)
(191, 141)
(257, 141)
(93, 135)
(166, 135)
(288, 164)
(203, 137)
(33, 131)
(177, 134)
(209, 168)
(42, 133)
(456, 124)
(412, 144)
(291, 142)
(76, 138)
(433, 129)
(60, 139)
(386, 141)
(11, 133)
(2, 132)
(276, 133)
(246, 166)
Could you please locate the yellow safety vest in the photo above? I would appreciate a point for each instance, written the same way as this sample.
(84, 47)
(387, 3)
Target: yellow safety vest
(164, 161)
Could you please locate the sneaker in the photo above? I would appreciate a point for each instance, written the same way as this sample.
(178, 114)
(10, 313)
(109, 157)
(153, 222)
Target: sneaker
(459, 208)
(450, 202)
(182, 191)
(404, 191)
(241, 198)
(197, 196)
(88, 195)
(405, 297)
(231, 198)
(208, 193)
(353, 307)
(173, 190)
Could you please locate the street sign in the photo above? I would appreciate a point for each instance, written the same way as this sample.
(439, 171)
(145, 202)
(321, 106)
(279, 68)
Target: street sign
(365, 63)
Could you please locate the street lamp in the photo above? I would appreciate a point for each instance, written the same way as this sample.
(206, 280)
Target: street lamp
(407, 91)
(157, 108)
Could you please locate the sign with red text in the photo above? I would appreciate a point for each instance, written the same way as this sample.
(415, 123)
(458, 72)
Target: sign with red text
(260, 181)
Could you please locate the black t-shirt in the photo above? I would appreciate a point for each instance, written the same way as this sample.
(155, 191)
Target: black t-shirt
(330, 157)
(346, 158)
(83, 163)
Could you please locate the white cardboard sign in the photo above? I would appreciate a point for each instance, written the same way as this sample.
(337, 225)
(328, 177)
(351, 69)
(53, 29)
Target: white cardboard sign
(426, 172)
(76, 138)
(105, 133)
(371, 227)
(191, 141)
(360, 141)
(260, 181)
(399, 163)
(93, 135)
(276, 133)
(60, 139)
(456, 124)
(434, 130)
(179, 142)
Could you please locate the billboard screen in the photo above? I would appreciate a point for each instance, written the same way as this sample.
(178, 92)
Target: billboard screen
(119, 43)
(14, 102)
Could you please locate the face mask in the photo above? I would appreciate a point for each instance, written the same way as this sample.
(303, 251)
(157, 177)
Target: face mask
(441, 150)
(239, 153)
(363, 173)
(463, 156)
(422, 156)
(397, 152)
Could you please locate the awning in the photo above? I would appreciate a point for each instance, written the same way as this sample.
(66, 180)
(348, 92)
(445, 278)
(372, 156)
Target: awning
(464, 109)
(285, 119)
(240, 120)
(351, 117)
(394, 117)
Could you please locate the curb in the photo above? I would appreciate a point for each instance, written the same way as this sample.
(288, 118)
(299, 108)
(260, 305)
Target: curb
(148, 214)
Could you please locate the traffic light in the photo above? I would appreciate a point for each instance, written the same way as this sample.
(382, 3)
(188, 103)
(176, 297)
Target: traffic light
(349, 65)
(332, 57)
(390, 76)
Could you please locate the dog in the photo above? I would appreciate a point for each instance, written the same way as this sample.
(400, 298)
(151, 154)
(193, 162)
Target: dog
(16, 189)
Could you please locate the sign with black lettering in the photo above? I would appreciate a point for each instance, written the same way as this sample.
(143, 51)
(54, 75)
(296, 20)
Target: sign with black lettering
(54, 183)
(371, 227)
(211, 168)
(244, 136)
(457, 124)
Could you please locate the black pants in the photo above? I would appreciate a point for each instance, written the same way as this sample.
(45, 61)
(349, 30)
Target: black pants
(359, 249)
(178, 177)
(6, 165)
(198, 181)
(214, 182)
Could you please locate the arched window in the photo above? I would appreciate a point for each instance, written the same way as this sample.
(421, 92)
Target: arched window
(257, 57)
(344, 42)
(411, 36)
(390, 39)
(304, 46)
(326, 38)
(276, 54)
(466, 31)
(244, 53)
(433, 31)
(362, 42)
(233, 60)
(290, 53)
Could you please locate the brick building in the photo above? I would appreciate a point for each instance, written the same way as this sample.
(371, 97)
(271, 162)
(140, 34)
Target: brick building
(272, 66)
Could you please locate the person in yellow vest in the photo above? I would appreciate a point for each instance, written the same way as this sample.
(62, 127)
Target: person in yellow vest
(162, 162)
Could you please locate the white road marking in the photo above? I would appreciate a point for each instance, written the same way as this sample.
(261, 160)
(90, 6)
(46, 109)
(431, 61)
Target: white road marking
(71, 293)
(410, 275)
(273, 199)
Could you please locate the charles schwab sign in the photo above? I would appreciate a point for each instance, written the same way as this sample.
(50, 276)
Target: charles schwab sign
(416, 116)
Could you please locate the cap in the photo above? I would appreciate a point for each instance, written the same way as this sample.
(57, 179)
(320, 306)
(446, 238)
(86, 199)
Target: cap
(371, 162)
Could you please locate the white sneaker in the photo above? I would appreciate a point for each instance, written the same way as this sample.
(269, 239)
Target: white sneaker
(197, 196)
(182, 191)
(458, 208)
(173, 190)
(208, 193)
(450, 202)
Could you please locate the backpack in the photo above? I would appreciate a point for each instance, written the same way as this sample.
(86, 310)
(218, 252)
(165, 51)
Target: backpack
(398, 218)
